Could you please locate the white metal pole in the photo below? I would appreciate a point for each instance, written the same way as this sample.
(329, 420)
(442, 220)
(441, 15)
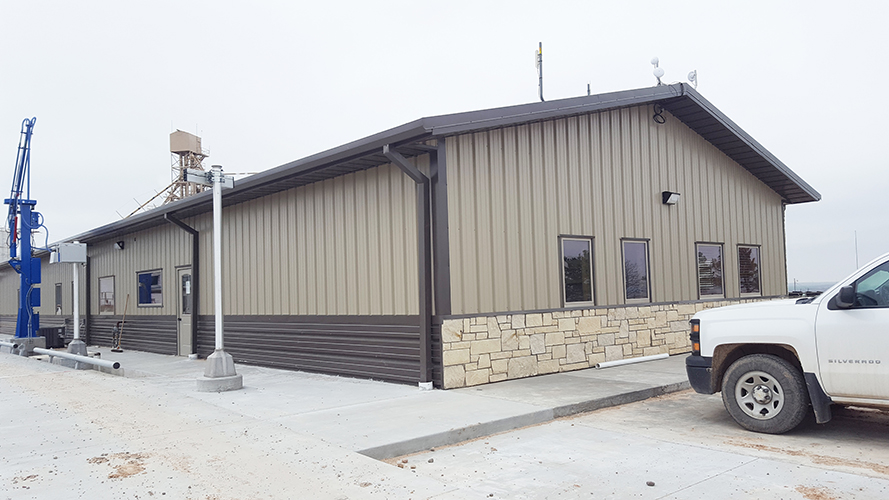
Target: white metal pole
(217, 252)
(76, 301)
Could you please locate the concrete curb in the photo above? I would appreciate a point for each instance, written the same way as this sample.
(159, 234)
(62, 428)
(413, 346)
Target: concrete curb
(484, 429)
(619, 399)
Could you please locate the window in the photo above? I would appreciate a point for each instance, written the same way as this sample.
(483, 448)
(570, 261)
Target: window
(150, 291)
(636, 270)
(106, 295)
(186, 298)
(709, 270)
(748, 270)
(872, 289)
(577, 269)
(58, 298)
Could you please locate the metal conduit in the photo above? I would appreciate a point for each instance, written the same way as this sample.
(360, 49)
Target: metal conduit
(9, 344)
(81, 359)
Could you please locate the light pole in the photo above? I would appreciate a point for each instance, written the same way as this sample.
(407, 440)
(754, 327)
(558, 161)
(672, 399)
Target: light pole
(219, 374)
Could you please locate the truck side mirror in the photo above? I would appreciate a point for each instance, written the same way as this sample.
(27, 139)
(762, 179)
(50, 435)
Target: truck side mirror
(846, 298)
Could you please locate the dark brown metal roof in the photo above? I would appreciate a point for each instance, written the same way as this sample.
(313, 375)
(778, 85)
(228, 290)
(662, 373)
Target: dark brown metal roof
(410, 139)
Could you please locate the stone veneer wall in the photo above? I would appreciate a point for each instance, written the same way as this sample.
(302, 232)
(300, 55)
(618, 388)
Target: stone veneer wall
(490, 348)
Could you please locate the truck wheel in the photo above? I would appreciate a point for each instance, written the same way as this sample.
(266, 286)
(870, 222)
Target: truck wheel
(765, 393)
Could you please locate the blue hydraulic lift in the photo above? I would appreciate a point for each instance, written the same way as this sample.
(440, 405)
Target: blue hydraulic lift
(21, 221)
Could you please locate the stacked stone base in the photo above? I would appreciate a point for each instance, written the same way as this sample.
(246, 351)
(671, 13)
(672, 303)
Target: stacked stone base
(483, 349)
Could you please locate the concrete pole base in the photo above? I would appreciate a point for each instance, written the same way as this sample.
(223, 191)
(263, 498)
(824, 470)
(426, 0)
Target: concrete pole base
(76, 347)
(220, 375)
(220, 384)
(27, 345)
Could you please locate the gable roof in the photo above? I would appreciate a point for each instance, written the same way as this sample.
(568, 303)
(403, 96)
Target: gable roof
(682, 101)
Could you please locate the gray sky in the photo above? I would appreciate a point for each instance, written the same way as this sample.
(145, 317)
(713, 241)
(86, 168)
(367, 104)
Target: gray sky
(272, 82)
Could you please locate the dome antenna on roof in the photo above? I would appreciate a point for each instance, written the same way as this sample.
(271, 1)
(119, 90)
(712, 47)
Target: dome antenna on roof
(658, 72)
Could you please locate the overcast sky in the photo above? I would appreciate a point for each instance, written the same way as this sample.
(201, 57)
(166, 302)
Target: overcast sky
(271, 82)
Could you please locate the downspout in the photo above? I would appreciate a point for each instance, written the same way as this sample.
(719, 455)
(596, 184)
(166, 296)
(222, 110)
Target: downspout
(195, 276)
(424, 261)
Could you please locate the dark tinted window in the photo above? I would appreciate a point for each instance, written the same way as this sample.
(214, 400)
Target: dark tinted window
(577, 269)
(636, 269)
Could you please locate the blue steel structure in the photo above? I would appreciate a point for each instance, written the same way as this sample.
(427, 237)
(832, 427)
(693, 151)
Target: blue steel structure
(21, 221)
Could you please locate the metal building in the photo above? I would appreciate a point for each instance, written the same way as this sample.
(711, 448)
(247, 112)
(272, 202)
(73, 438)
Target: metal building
(464, 249)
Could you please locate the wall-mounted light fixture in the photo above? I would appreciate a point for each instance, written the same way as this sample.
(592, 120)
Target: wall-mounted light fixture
(118, 245)
(670, 198)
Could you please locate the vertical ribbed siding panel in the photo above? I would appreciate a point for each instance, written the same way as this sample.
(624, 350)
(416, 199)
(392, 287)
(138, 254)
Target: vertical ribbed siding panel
(541, 178)
(612, 223)
(362, 248)
(374, 237)
(497, 204)
(349, 250)
(400, 238)
(513, 185)
(484, 193)
(513, 191)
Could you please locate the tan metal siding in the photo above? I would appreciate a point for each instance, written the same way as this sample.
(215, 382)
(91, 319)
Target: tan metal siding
(164, 247)
(513, 191)
(9, 284)
(50, 275)
(344, 246)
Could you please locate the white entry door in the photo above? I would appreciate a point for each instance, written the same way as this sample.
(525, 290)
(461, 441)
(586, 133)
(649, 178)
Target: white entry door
(184, 311)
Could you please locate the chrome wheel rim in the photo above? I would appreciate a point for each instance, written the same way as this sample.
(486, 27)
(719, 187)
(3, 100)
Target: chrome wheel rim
(759, 395)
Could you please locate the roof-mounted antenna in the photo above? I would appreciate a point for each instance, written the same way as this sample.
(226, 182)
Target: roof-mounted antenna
(658, 72)
(539, 60)
(587, 89)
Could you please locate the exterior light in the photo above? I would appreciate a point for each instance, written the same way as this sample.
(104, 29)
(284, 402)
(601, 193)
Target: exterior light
(119, 245)
(670, 198)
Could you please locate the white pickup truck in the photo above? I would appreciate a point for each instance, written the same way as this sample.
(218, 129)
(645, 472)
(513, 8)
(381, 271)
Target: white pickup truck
(777, 361)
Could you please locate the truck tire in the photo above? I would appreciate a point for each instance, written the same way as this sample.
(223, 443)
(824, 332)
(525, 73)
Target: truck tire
(765, 393)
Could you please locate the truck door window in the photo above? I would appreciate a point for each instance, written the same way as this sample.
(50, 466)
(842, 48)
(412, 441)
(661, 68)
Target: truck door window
(872, 289)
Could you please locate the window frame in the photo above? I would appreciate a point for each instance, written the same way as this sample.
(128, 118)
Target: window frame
(160, 274)
(721, 248)
(589, 240)
(758, 249)
(623, 252)
(99, 288)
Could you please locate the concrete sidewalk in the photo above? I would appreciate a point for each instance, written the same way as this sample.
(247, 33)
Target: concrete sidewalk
(383, 420)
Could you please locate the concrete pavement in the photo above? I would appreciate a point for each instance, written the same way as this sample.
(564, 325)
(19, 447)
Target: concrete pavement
(383, 420)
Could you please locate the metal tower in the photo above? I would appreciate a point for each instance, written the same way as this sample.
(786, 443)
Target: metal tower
(187, 154)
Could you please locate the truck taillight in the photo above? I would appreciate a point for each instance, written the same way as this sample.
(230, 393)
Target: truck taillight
(695, 337)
